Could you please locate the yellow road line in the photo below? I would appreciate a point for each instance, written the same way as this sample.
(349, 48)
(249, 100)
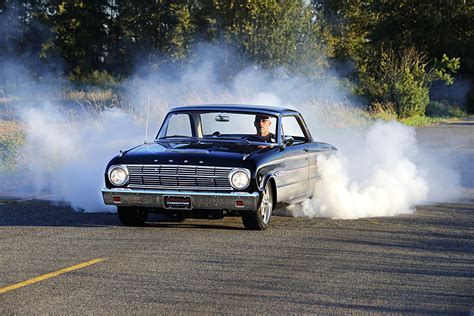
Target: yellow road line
(50, 275)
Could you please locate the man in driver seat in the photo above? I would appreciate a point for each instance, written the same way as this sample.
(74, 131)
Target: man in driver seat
(262, 124)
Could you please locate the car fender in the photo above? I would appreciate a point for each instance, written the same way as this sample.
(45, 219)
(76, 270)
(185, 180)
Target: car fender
(263, 179)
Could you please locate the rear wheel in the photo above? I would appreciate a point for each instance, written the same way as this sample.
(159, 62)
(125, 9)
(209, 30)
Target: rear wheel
(132, 216)
(260, 219)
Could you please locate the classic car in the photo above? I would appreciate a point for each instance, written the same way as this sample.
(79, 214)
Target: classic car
(212, 161)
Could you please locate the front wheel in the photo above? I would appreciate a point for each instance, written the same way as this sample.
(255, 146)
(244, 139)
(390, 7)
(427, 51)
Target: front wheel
(132, 216)
(260, 219)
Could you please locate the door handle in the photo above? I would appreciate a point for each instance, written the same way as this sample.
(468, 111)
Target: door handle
(306, 150)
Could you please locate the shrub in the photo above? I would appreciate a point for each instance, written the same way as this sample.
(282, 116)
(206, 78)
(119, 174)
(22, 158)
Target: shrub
(405, 79)
(443, 109)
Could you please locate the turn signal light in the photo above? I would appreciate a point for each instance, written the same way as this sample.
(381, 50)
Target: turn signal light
(117, 199)
(239, 203)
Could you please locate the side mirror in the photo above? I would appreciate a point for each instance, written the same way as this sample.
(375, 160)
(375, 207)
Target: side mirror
(288, 141)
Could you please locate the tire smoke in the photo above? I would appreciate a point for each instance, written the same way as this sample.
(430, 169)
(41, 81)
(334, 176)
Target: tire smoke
(379, 173)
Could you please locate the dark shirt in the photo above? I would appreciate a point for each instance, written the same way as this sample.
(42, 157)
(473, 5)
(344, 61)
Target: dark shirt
(270, 138)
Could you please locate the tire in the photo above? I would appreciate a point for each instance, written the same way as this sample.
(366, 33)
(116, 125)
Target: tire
(260, 219)
(132, 216)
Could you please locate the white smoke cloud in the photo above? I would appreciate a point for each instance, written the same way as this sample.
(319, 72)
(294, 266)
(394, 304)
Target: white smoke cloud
(68, 155)
(382, 174)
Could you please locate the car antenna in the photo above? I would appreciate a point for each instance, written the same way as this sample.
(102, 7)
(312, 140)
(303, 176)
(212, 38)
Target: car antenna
(147, 113)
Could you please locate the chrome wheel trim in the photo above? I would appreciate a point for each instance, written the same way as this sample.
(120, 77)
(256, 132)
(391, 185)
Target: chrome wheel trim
(266, 205)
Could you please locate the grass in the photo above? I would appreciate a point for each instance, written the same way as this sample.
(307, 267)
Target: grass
(439, 112)
(420, 121)
(10, 148)
(93, 95)
(12, 140)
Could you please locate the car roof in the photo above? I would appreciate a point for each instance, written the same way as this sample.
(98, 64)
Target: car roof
(273, 110)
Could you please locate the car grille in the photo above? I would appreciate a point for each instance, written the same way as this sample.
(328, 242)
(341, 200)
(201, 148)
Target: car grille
(179, 177)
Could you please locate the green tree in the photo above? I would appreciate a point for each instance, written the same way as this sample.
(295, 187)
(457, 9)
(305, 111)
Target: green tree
(346, 26)
(12, 15)
(436, 27)
(360, 31)
(153, 30)
(80, 33)
(273, 33)
(22, 36)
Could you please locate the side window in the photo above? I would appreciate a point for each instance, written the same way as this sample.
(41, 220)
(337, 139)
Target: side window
(179, 124)
(292, 128)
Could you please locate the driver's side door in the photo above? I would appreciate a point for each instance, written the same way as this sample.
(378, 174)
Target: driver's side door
(293, 179)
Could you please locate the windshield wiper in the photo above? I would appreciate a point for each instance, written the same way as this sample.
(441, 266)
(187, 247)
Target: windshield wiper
(178, 138)
(206, 139)
(225, 139)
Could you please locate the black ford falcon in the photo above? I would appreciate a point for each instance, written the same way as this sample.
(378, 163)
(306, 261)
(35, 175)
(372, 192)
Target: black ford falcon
(213, 161)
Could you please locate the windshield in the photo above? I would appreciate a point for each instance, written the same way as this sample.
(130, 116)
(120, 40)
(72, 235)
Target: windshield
(220, 126)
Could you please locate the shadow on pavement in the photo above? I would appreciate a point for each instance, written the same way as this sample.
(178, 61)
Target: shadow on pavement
(187, 225)
(42, 213)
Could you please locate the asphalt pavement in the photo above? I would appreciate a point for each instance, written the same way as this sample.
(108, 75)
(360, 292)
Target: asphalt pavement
(418, 264)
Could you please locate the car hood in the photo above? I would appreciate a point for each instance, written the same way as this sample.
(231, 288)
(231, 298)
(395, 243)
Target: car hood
(192, 153)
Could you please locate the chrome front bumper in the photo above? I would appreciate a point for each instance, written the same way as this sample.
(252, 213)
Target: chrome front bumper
(199, 200)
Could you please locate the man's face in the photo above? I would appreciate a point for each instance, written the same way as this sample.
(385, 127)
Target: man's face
(263, 126)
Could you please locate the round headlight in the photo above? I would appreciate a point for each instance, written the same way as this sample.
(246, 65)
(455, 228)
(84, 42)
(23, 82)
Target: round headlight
(239, 178)
(118, 175)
